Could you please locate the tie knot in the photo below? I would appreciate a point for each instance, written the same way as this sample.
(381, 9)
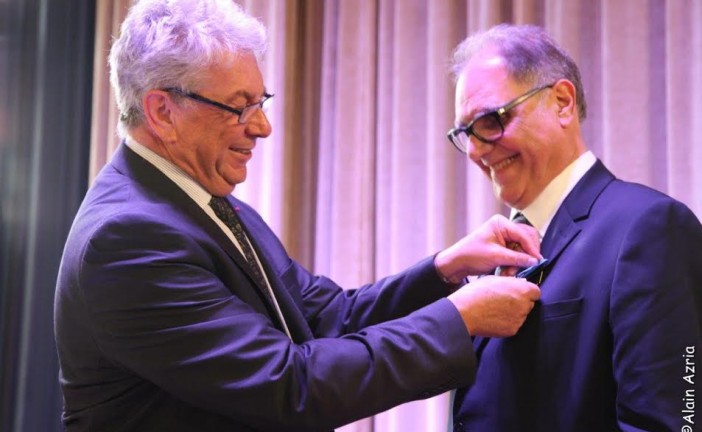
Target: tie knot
(520, 218)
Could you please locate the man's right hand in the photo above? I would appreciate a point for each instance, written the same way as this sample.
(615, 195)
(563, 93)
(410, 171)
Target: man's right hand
(494, 306)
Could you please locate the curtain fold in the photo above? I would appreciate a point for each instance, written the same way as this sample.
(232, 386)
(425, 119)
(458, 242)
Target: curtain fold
(45, 90)
(109, 15)
(683, 93)
(358, 177)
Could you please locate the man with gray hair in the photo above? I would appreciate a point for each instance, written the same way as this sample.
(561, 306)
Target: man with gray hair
(177, 308)
(613, 342)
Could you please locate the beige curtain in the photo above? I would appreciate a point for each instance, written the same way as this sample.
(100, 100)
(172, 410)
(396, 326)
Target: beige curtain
(358, 177)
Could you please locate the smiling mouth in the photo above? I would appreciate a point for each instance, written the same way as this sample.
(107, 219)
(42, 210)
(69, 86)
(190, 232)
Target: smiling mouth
(504, 163)
(245, 152)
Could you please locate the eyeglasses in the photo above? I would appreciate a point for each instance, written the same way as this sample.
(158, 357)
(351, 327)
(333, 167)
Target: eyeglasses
(244, 113)
(488, 127)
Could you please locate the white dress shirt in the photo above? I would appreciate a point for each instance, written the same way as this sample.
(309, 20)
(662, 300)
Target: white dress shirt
(542, 210)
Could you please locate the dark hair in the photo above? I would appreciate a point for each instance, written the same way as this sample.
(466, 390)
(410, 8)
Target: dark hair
(531, 56)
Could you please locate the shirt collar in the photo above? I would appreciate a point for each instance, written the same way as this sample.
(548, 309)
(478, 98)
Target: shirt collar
(542, 210)
(173, 172)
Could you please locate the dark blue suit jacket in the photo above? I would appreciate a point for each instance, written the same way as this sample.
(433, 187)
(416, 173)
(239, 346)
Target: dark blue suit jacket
(160, 328)
(615, 340)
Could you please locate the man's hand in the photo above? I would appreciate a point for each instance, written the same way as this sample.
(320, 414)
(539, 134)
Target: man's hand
(490, 246)
(495, 306)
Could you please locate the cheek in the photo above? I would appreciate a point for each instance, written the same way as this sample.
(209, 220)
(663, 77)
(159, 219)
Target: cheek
(539, 146)
(541, 165)
(530, 159)
(211, 152)
(533, 164)
(533, 147)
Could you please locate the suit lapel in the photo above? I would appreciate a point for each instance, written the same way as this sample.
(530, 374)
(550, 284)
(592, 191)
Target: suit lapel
(126, 161)
(561, 232)
(565, 225)
(297, 324)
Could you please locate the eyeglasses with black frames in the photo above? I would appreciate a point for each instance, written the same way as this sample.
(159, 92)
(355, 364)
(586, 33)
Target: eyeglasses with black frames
(488, 127)
(244, 113)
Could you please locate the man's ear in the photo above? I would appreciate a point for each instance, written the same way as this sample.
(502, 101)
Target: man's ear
(564, 91)
(158, 111)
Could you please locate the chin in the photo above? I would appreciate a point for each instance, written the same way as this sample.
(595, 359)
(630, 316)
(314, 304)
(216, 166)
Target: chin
(505, 198)
(234, 180)
(222, 187)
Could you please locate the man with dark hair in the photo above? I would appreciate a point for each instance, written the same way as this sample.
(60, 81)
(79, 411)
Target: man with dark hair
(606, 348)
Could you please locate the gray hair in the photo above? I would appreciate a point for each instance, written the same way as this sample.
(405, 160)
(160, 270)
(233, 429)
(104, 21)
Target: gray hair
(530, 54)
(169, 43)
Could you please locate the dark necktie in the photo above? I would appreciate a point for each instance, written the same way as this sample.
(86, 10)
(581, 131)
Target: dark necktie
(518, 218)
(226, 214)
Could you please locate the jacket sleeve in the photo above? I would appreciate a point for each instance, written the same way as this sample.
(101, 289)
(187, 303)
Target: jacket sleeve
(656, 319)
(160, 312)
(332, 312)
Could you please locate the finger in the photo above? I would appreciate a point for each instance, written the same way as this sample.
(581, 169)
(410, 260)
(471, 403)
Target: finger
(526, 289)
(508, 271)
(515, 258)
(533, 292)
(526, 236)
(514, 246)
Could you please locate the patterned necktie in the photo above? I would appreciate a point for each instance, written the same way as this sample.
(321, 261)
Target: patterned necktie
(226, 214)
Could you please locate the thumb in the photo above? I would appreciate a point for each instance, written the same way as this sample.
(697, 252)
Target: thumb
(509, 257)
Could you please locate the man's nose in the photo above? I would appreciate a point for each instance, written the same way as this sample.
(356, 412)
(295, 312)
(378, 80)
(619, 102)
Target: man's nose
(258, 125)
(477, 149)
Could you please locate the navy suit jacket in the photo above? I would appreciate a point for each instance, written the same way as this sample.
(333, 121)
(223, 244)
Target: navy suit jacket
(159, 327)
(615, 340)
